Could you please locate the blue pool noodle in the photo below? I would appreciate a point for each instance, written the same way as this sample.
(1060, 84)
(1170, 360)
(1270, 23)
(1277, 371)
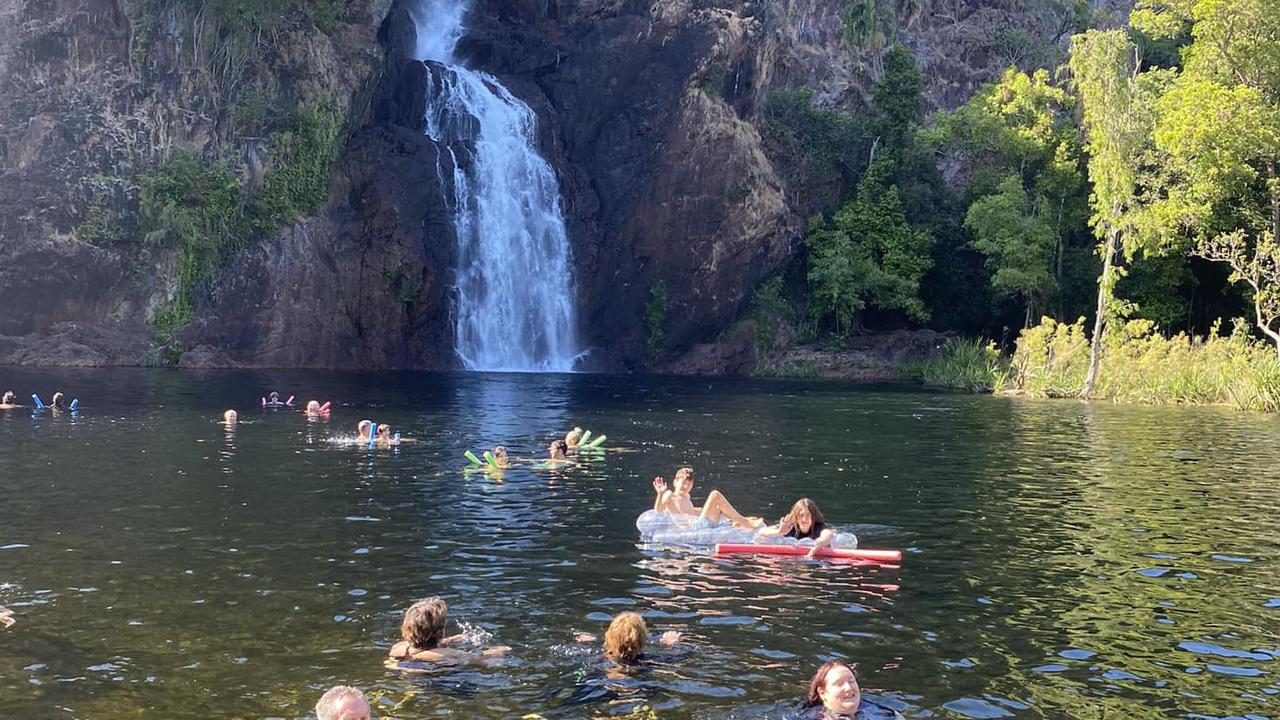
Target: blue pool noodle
(373, 433)
(74, 404)
(36, 399)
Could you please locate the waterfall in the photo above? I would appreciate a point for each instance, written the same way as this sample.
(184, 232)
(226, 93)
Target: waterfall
(514, 280)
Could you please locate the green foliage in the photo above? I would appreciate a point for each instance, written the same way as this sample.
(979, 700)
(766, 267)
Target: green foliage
(197, 207)
(255, 110)
(655, 315)
(867, 253)
(899, 97)
(1142, 366)
(771, 313)
(967, 365)
(1017, 243)
(100, 226)
(868, 24)
(827, 146)
(1159, 287)
(302, 156)
(193, 206)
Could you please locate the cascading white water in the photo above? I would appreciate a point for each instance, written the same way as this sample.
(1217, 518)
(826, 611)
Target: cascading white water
(515, 307)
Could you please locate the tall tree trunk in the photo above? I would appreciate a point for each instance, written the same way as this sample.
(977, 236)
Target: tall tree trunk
(1099, 321)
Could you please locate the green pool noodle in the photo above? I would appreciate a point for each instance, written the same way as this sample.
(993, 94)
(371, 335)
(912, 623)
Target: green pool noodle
(489, 458)
(472, 457)
(585, 437)
(597, 442)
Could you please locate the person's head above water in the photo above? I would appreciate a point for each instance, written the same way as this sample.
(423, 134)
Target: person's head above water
(384, 432)
(8, 398)
(558, 449)
(573, 437)
(362, 428)
(804, 515)
(835, 687)
(500, 456)
(683, 482)
(273, 396)
(56, 400)
(229, 417)
(626, 637)
(423, 624)
(313, 406)
(343, 702)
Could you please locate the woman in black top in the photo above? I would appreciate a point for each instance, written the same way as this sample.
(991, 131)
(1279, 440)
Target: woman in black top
(803, 522)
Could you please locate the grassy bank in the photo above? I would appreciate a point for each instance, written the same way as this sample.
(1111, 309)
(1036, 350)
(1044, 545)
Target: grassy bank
(1138, 365)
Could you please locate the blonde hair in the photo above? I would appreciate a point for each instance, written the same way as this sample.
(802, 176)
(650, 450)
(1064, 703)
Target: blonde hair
(423, 624)
(626, 637)
(573, 437)
(686, 470)
(330, 704)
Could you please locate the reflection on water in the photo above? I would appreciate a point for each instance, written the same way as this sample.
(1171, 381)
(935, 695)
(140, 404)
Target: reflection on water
(1061, 560)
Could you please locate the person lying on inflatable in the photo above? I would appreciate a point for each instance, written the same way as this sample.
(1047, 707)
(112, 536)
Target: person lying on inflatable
(715, 510)
(804, 521)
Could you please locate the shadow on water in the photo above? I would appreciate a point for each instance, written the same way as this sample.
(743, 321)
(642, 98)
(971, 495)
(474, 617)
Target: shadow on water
(1061, 560)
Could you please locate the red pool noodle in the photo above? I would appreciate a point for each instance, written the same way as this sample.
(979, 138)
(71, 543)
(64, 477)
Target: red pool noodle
(878, 556)
(324, 408)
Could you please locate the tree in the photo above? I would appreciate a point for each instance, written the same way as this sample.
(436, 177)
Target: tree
(1219, 122)
(868, 254)
(1116, 105)
(1019, 130)
(1017, 243)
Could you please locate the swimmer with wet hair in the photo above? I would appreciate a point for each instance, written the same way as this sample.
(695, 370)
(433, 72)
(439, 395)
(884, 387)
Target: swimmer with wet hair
(7, 403)
(627, 636)
(230, 417)
(558, 453)
(422, 638)
(343, 702)
(362, 429)
(58, 401)
(316, 411)
(385, 438)
(717, 508)
(803, 522)
(834, 688)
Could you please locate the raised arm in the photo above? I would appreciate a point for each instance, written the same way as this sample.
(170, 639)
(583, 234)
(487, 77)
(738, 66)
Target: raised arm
(782, 528)
(663, 500)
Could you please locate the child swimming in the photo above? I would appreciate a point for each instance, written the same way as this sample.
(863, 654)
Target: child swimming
(229, 417)
(803, 522)
(362, 429)
(676, 501)
(625, 640)
(8, 402)
(422, 637)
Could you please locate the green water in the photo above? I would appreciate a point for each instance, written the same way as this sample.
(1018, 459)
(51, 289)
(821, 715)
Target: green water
(1061, 559)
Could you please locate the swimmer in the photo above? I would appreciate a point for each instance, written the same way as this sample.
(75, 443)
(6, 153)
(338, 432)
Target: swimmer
(230, 417)
(6, 617)
(422, 637)
(7, 403)
(58, 402)
(315, 410)
(573, 438)
(803, 522)
(500, 457)
(625, 640)
(272, 400)
(557, 453)
(676, 501)
(343, 702)
(362, 429)
(385, 438)
(834, 688)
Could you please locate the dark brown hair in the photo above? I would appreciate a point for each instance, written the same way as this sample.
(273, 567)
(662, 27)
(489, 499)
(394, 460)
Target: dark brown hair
(423, 624)
(803, 504)
(819, 681)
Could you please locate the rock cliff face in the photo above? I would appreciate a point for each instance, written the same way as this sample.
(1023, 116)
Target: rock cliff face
(650, 111)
